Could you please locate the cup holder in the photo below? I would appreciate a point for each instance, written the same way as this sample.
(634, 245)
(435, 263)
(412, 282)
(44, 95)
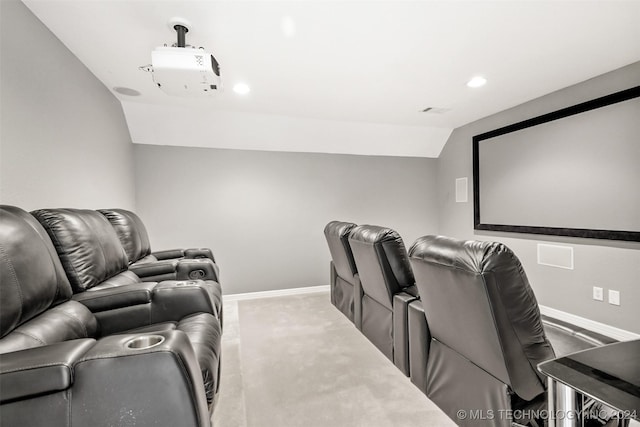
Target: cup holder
(196, 274)
(144, 342)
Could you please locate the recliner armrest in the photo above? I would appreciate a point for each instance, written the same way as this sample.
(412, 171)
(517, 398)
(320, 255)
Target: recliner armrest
(39, 370)
(197, 253)
(358, 294)
(157, 268)
(419, 342)
(174, 300)
(190, 253)
(193, 269)
(401, 303)
(176, 269)
(120, 385)
(168, 254)
(125, 307)
(116, 297)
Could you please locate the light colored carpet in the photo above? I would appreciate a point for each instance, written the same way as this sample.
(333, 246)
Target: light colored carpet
(296, 361)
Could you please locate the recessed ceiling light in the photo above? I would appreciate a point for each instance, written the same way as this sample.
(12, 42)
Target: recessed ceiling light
(477, 81)
(241, 88)
(288, 26)
(126, 91)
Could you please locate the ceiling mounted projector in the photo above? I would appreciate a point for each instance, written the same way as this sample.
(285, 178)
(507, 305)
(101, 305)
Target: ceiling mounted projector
(182, 70)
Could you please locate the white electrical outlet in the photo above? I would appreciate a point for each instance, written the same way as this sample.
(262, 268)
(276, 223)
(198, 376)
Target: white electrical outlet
(614, 297)
(598, 294)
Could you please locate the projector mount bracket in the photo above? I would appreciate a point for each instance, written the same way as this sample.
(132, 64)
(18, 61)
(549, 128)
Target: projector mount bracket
(181, 26)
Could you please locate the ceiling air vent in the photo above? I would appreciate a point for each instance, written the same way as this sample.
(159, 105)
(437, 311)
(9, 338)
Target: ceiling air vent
(435, 110)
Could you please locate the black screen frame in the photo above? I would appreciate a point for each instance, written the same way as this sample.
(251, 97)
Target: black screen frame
(631, 236)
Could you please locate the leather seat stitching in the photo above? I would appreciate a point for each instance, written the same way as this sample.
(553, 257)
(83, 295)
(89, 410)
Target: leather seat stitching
(77, 319)
(12, 272)
(30, 336)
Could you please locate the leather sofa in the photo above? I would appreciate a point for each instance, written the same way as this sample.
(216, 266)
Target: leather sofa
(387, 290)
(96, 265)
(172, 264)
(59, 365)
(486, 333)
(345, 289)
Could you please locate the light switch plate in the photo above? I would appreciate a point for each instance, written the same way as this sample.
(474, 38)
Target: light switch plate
(614, 297)
(598, 294)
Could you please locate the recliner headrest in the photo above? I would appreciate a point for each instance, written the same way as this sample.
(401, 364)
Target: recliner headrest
(375, 234)
(31, 276)
(471, 255)
(337, 235)
(131, 232)
(382, 261)
(86, 243)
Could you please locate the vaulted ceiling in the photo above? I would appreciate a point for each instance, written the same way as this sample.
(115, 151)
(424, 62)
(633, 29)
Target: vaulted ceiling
(344, 76)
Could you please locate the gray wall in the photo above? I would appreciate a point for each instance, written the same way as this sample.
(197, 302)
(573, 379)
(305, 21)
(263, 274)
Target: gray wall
(263, 213)
(64, 140)
(611, 265)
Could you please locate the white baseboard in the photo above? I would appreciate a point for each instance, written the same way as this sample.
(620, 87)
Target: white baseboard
(276, 293)
(592, 325)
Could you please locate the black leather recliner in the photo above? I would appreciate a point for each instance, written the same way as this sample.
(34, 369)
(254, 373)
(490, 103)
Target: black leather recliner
(193, 263)
(388, 288)
(345, 289)
(59, 368)
(487, 336)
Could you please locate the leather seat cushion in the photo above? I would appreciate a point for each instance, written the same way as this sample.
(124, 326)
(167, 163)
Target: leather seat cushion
(67, 321)
(120, 279)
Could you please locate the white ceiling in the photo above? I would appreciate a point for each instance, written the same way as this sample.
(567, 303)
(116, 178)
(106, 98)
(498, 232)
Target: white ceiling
(371, 64)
